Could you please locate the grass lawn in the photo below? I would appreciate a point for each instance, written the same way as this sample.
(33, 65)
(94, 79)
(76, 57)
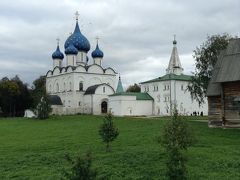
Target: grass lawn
(35, 149)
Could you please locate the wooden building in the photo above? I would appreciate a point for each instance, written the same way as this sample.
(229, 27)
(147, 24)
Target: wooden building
(224, 88)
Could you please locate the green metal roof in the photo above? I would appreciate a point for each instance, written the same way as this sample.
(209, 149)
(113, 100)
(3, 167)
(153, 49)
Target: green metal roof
(139, 95)
(119, 86)
(168, 77)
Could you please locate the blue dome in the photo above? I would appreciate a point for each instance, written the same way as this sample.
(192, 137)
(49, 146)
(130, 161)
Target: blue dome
(78, 40)
(97, 53)
(57, 54)
(71, 50)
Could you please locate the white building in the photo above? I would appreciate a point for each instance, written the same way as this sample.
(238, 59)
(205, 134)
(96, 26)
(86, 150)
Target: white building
(84, 87)
(171, 90)
(79, 86)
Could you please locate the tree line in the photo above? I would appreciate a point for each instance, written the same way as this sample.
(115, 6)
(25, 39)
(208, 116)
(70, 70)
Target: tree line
(16, 96)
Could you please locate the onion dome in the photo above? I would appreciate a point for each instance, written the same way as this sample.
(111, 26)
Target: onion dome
(97, 53)
(71, 50)
(57, 54)
(78, 40)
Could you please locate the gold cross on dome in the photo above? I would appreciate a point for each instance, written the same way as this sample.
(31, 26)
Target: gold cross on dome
(77, 15)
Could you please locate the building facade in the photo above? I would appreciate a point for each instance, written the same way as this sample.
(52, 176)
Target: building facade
(171, 90)
(83, 86)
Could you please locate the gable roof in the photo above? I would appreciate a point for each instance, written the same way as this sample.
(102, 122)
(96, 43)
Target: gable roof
(92, 89)
(227, 68)
(139, 95)
(167, 77)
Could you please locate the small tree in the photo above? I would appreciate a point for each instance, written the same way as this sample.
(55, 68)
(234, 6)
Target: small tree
(134, 88)
(176, 138)
(108, 131)
(81, 168)
(43, 108)
(206, 56)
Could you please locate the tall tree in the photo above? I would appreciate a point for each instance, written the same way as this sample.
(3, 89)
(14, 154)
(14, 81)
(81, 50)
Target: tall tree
(39, 89)
(43, 108)
(134, 88)
(205, 57)
(14, 96)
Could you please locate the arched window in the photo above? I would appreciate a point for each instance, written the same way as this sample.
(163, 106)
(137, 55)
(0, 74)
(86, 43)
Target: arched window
(57, 87)
(103, 89)
(81, 86)
(70, 86)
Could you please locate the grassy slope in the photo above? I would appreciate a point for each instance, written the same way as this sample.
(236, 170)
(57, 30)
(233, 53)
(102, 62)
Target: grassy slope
(33, 149)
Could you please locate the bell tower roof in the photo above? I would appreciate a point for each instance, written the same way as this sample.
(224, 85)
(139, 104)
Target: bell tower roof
(174, 63)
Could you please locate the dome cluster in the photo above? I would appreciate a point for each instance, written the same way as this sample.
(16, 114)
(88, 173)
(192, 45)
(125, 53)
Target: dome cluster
(77, 42)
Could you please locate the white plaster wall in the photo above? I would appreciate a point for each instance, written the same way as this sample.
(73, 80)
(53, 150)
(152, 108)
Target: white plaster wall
(73, 99)
(57, 62)
(129, 106)
(71, 60)
(162, 97)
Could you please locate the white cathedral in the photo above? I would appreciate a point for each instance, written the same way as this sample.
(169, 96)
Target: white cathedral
(81, 87)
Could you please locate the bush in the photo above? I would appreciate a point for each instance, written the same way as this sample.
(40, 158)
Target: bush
(176, 138)
(108, 131)
(80, 168)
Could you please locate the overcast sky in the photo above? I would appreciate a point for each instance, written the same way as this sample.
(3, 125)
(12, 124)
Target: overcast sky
(135, 36)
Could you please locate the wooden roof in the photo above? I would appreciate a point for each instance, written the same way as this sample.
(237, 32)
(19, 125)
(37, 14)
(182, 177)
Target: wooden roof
(227, 68)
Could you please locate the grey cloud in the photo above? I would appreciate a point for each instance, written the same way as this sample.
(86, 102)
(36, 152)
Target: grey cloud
(136, 37)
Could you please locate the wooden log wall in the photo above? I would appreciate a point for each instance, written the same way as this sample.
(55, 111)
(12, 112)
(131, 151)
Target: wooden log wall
(214, 111)
(231, 92)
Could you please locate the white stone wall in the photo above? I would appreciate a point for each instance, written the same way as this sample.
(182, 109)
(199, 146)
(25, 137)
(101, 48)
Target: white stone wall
(65, 84)
(129, 106)
(165, 92)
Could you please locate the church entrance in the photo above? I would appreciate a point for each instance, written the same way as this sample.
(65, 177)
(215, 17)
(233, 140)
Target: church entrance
(104, 107)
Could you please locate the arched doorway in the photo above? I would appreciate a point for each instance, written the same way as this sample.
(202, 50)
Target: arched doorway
(104, 107)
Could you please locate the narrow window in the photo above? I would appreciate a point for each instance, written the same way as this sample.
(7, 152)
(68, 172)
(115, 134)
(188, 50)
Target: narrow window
(182, 87)
(81, 86)
(103, 89)
(57, 88)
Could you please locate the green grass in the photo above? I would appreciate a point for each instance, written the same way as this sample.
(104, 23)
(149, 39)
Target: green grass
(35, 149)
